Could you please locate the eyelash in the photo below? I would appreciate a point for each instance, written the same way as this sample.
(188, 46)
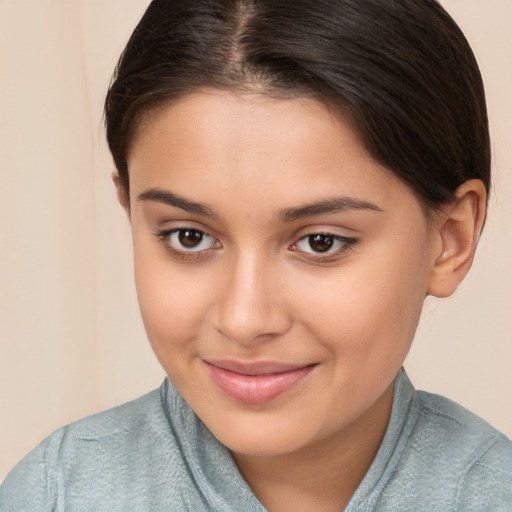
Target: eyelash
(347, 245)
(165, 235)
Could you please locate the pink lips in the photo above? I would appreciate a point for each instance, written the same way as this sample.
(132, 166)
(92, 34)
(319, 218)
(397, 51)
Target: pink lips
(255, 383)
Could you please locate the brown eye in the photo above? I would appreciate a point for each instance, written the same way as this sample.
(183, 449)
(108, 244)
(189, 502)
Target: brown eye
(326, 245)
(190, 238)
(320, 242)
(187, 240)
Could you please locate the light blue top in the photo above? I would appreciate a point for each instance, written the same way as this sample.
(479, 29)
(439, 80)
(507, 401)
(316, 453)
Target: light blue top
(155, 455)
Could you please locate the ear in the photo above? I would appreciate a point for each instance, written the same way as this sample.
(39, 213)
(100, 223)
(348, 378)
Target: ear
(457, 230)
(122, 193)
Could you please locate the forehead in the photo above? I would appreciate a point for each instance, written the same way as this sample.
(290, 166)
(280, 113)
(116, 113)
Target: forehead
(215, 144)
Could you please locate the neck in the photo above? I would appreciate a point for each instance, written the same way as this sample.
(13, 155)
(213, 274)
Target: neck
(321, 476)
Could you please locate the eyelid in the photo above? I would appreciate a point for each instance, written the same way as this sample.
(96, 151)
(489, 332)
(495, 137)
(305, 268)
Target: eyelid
(349, 243)
(164, 234)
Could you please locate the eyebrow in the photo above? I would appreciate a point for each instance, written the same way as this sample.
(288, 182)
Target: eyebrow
(171, 199)
(332, 205)
(326, 206)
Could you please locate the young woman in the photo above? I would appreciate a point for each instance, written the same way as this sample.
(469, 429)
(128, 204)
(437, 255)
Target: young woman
(298, 177)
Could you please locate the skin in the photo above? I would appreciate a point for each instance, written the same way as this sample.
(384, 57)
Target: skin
(254, 289)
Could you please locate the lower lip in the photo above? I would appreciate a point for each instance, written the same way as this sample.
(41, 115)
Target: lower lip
(256, 389)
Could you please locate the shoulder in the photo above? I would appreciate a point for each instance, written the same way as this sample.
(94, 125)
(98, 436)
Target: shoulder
(469, 435)
(96, 444)
(441, 457)
(487, 483)
(462, 455)
(449, 459)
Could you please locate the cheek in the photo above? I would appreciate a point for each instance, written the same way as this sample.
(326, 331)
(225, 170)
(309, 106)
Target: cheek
(173, 301)
(371, 307)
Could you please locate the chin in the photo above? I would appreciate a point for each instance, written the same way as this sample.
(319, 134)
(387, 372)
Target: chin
(263, 447)
(261, 435)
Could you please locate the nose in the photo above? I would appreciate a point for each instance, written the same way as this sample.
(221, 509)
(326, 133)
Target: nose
(251, 308)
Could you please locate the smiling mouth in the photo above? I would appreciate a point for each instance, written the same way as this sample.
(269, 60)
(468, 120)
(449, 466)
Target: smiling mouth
(256, 383)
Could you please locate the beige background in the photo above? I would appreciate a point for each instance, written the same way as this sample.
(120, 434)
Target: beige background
(71, 341)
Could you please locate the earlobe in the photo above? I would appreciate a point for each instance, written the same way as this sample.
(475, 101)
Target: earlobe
(458, 230)
(122, 195)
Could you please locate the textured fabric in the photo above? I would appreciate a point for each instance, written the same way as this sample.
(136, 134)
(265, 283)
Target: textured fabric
(155, 455)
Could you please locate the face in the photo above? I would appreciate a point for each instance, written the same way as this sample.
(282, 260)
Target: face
(280, 270)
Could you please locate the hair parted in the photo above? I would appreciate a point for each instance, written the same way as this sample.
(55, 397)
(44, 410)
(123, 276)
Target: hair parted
(400, 71)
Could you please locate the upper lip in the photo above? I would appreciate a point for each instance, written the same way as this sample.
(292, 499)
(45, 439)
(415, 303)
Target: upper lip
(256, 367)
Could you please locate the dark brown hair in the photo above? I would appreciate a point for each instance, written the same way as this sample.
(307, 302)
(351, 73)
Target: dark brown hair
(401, 71)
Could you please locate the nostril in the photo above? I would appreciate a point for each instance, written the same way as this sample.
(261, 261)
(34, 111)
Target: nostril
(258, 338)
(252, 323)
